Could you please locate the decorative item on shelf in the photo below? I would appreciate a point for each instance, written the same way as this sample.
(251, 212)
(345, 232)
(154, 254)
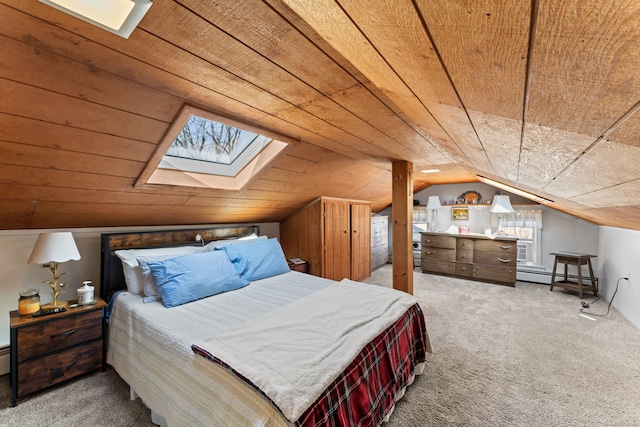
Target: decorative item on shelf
(460, 213)
(501, 205)
(470, 198)
(49, 250)
(433, 205)
(29, 301)
(464, 229)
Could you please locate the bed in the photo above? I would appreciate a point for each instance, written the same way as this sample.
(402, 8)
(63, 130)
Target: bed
(260, 354)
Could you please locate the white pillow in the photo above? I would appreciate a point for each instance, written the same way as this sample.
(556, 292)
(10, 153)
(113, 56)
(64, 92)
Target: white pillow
(217, 243)
(131, 268)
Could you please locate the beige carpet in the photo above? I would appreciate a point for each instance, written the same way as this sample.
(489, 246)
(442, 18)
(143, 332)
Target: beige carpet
(503, 357)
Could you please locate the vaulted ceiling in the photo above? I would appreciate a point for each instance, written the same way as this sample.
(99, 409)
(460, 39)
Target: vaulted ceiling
(541, 95)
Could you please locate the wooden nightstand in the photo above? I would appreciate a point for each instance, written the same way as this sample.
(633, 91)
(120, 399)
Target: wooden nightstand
(50, 349)
(301, 267)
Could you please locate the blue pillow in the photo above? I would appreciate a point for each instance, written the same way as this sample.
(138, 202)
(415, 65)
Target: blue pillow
(191, 277)
(257, 259)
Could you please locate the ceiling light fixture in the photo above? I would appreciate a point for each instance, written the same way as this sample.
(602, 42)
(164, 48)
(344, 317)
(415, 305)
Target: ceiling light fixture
(514, 190)
(430, 170)
(119, 17)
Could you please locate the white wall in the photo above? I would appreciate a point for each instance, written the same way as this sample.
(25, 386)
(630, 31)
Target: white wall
(619, 256)
(15, 248)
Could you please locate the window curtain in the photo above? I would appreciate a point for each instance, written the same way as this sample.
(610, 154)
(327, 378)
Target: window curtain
(531, 218)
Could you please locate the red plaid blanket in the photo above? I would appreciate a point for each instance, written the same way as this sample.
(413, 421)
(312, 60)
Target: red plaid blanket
(364, 393)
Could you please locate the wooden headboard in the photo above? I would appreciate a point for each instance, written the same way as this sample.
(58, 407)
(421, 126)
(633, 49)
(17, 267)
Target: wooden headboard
(111, 275)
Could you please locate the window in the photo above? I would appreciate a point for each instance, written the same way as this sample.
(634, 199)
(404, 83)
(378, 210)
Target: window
(202, 149)
(526, 225)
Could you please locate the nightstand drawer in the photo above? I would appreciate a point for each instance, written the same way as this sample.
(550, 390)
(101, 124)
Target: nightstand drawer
(52, 369)
(42, 338)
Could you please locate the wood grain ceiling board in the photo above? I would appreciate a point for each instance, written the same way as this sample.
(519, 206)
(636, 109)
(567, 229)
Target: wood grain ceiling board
(546, 152)
(627, 131)
(608, 164)
(586, 54)
(331, 23)
(31, 131)
(624, 194)
(396, 32)
(501, 136)
(363, 103)
(31, 102)
(139, 53)
(483, 45)
(248, 64)
(260, 27)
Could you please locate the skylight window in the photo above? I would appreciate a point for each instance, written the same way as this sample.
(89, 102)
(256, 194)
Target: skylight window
(202, 149)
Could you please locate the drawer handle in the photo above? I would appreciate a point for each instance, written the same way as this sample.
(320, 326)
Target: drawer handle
(505, 247)
(68, 365)
(64, 334)
(429, 252)
(504, 260)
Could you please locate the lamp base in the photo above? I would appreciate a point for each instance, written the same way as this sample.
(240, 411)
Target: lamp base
(56, 305)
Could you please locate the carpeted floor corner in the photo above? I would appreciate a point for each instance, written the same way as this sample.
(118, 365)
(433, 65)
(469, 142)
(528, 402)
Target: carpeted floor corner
(502, 357)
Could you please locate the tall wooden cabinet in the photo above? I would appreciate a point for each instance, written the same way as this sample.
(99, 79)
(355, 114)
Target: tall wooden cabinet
(333, 236)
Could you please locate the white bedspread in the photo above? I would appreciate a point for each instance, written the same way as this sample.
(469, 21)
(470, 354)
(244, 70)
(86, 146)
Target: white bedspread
(272, 351)
(150, 348)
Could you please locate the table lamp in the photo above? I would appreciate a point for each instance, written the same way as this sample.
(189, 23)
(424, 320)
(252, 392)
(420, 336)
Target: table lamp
(51, 249)
(501, 205)
(433, 205)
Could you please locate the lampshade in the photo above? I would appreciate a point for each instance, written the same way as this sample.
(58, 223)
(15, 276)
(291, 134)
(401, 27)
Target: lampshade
(433, 202)
(54, 247)
(501, 204)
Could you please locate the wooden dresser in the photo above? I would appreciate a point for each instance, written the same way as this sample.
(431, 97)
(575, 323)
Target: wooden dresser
(470, 256)
(379, 241)
(50, 349)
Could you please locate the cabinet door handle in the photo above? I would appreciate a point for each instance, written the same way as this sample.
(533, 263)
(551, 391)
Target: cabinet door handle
(64, 334)
(504, 260)
(68, 365)
(505, 247)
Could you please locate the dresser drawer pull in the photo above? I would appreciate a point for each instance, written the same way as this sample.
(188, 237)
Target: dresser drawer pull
(68, 365)
(73, 331)
(505, 247)
(504, 260)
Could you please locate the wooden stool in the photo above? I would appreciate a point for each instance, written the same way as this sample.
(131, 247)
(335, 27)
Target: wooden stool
(572, 258)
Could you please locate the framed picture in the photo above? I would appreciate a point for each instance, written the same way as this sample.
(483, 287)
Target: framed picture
(460, 213)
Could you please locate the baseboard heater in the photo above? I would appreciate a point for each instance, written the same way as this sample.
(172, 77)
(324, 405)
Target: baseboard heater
(545, 277)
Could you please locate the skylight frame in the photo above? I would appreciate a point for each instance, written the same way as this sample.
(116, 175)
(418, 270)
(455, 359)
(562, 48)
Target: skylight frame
(155, 174)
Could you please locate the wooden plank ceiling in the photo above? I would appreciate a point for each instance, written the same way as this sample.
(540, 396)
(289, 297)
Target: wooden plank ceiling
(540, 95)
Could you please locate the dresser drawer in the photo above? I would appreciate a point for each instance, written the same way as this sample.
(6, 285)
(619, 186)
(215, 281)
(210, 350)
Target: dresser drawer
(494, 274)
(57, 367)
(464, 255)
(439, 253)
(464, 244)
(500, 259)
(436, 241)
(39, 339)
(495, 246)
(436, 266)
(464, 269)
